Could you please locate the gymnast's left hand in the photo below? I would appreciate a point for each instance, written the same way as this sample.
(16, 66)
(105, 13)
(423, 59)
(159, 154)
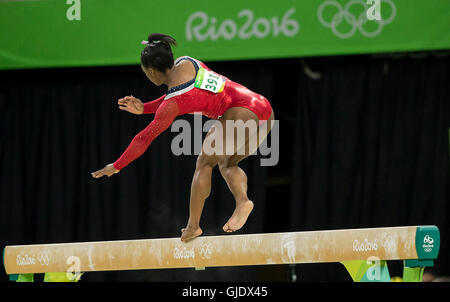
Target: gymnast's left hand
(108, 171)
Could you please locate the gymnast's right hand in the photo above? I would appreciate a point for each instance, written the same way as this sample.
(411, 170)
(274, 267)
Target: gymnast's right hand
(131, 104)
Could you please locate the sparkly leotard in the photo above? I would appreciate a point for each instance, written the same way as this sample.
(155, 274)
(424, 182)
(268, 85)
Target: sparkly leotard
(187, 98)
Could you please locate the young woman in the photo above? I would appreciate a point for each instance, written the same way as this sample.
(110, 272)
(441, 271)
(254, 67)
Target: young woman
(193, 87)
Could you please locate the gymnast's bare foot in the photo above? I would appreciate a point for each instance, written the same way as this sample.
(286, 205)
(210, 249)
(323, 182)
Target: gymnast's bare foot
(190, 233)
(239, 217)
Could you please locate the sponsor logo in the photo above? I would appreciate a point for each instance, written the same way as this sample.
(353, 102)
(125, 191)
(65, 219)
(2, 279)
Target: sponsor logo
(364, 246)
(183, 253)
(25, 259)
(200, 26)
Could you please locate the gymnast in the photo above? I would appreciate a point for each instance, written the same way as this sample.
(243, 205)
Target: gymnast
(194, 88)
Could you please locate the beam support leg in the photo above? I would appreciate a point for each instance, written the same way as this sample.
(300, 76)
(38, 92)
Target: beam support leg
(62, 277)
(21, 277)
(413, 269)
(413, 274)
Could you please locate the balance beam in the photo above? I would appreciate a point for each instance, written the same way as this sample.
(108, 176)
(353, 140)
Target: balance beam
(419, 244)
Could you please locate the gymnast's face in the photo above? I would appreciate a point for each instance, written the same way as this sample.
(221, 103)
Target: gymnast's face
(155, 76)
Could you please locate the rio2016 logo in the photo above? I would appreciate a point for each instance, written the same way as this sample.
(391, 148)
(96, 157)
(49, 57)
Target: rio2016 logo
(428, 243)
(200, 26)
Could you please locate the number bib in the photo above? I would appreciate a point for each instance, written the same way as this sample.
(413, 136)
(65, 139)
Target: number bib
(209, 80)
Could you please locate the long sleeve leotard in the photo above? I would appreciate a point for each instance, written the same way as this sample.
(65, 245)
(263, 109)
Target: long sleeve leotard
(192, 97)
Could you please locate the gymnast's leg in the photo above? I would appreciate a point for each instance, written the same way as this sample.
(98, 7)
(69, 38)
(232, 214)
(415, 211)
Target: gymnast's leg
(234, 176)
(200, 190)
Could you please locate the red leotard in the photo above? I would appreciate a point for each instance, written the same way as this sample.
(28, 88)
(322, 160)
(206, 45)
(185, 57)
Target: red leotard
(186, 98)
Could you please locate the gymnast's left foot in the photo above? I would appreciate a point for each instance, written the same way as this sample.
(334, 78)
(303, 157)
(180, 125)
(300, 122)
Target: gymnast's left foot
(239, 216)
(190, 233)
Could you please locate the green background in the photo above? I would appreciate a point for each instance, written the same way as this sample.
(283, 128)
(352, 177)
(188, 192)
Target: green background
(38, 33)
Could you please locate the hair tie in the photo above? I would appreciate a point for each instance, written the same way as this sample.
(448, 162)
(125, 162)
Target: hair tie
(151, 44)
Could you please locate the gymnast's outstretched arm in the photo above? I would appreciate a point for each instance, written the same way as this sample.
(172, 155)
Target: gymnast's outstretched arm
(164, 116)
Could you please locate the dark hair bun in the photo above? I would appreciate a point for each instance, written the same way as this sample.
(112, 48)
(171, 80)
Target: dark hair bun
(158, 52)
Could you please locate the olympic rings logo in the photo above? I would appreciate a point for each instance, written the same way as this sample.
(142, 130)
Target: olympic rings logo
(343, 14)
(205, 250)
(44, 258)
